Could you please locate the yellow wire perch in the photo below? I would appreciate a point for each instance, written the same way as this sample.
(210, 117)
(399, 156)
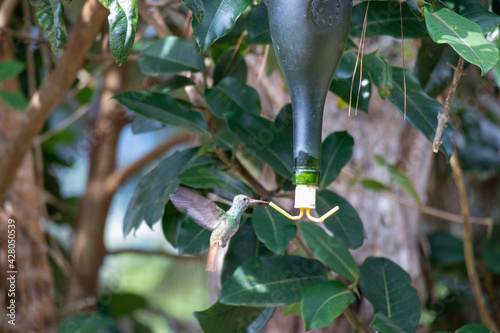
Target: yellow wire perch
(308, 213)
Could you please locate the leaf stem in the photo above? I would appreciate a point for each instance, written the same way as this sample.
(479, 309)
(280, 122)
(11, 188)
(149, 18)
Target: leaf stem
(467, 240)
(353, 320)
(444, 116)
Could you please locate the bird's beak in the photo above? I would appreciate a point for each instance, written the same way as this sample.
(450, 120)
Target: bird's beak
(252, 201)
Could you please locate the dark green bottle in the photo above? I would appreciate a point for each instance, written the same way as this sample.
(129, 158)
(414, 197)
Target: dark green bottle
(309, 38)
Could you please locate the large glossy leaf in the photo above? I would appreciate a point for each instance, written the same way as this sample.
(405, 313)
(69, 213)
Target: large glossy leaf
(231, 64)
(380, 73)
(388, 288)
(192, 239)
(342, 88)
(264, 140)
(171, 223)
(473, 328)
(474, 11)
(336, 151)
(330, 250)
(384, 19)
(211, 177)
(153, 190)
(244, 245)
(197, 7)
(491, 250)
(273, 229)
(446, 249)
(221, 318)
(170, 55)
(324, 302)
(465, 36)
(124, 304)
(268, 281)
(421, 110)
(383, 324)
(257, 25)
(172, 84)
(232, 95)
(122, 19)
(16, 100)
(345, 223)
(163, 108)
(11, 69)
(433, 68)
(220, 16)
(50, 16)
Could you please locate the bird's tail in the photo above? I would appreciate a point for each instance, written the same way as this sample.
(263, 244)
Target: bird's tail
(212, 257)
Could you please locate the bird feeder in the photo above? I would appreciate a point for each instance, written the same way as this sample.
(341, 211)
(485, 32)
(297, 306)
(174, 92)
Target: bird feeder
(309, 38)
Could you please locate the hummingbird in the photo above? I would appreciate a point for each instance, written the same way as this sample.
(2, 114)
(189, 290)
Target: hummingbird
(208, 215)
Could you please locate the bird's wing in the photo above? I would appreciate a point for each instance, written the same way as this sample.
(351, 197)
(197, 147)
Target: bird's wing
(200, 209)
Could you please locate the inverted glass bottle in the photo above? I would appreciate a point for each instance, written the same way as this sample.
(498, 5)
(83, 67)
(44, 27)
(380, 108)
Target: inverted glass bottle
(309, 38)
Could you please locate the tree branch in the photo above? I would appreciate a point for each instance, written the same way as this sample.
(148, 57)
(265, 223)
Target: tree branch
(119, 177)
(155, 253)
(467, 240)
(354, 321)
(45, 99)
(444, 116)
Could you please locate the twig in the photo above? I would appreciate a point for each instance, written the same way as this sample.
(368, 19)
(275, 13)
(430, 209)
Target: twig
(153, 17)
(354, 321)
(155, 253)
(80, 112)
(444, 116)
(120, 176)
(263, 64)
(467, 240)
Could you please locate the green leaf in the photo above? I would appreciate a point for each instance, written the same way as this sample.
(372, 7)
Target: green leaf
(163, 108)
(384, 19)
(446, 249)
(345, 223)
(224, 139)
(243, 246)
(273, 229)
(473, 328)
(122, 19)
(142, 124)
(197, 7)
(324, 302)
(474, 11)
(292, 309)
(231, 64)
(381, 323)
(380, 73)
(257, 25)
(421, 110)
(11, 69)
(171, 223)
(372, 184)
(221, 318)
(330, 250)
(50, 16)
(220, 17)
(491, 250)
(253, 283)
(264, 140)
(465, 36)
(170, 55)
(15, 100)
(192, 239)
(172, 84)
(153, 190)
(433, 68)
(211, 177)
(232, 95)
(388, 288)
(93, 322)
(342, 88)
(124, 304)
(336, 151)
(401, 179)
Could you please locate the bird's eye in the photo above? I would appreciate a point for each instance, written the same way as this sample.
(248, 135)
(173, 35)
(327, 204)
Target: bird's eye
(246, 199)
